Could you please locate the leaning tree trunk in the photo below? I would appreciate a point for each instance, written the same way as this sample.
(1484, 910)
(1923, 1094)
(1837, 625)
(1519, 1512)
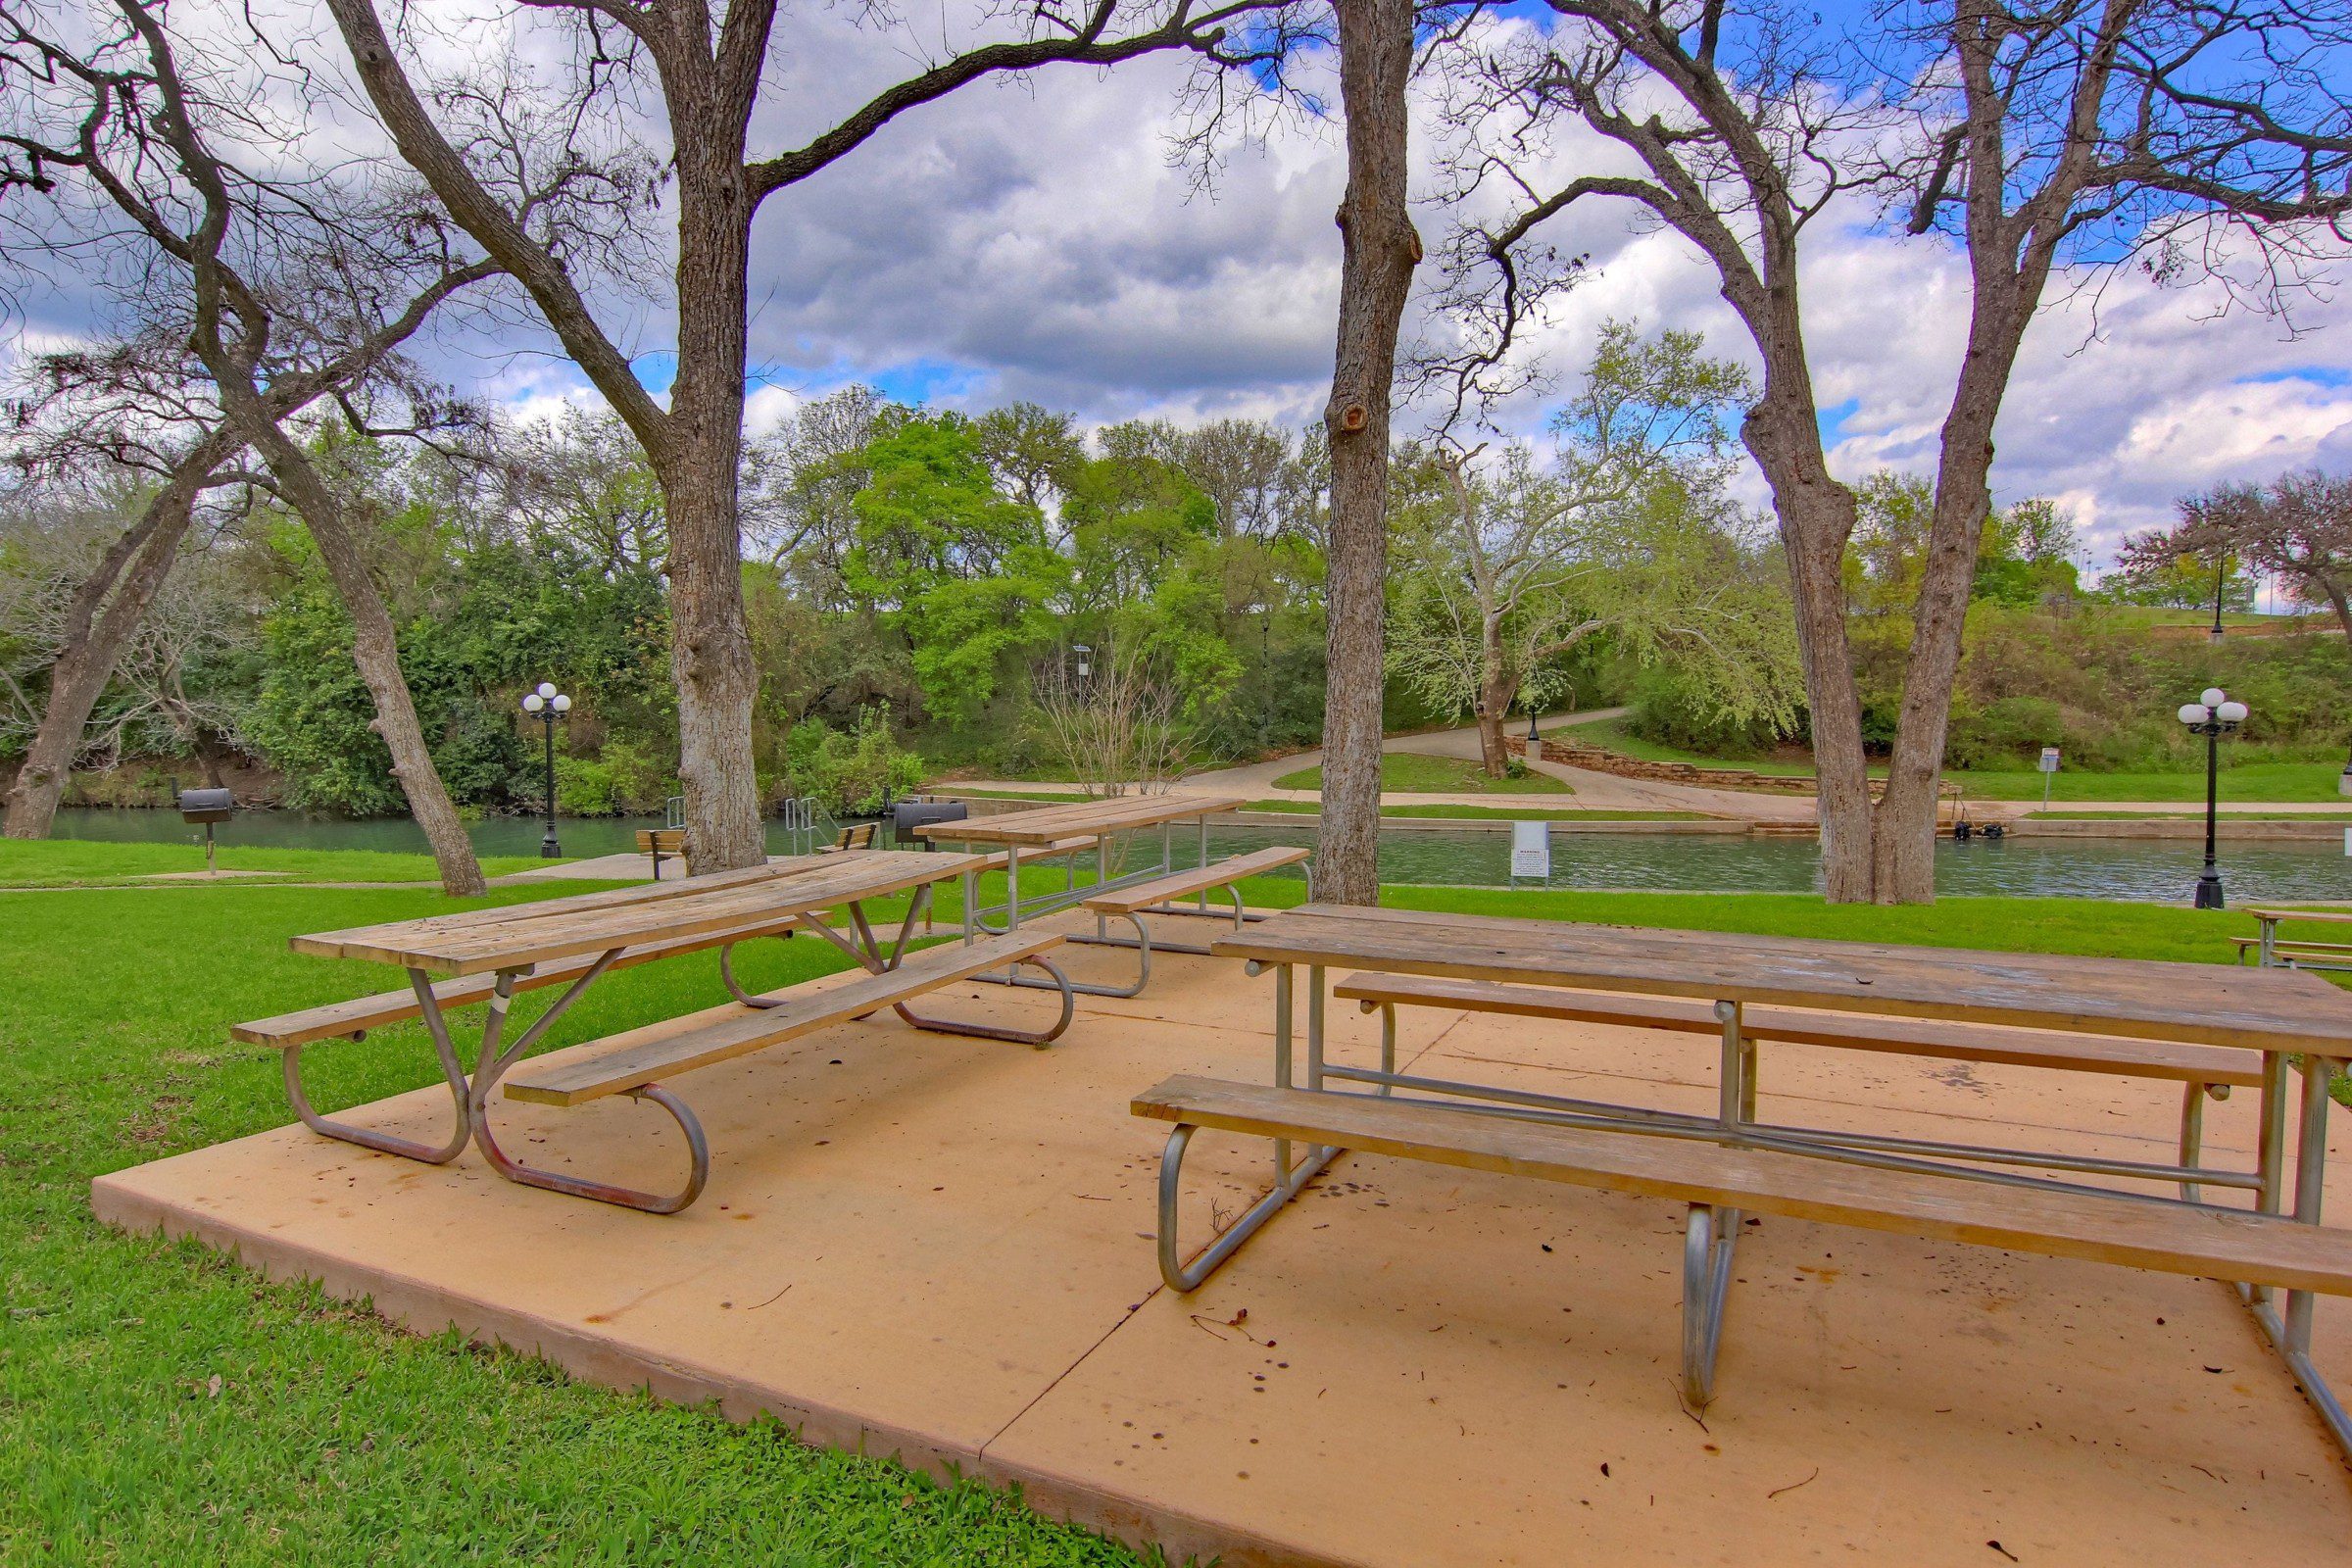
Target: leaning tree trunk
(1379, 251)
(375, 647)
(1817, 519)
(711, 643)
(125, 583)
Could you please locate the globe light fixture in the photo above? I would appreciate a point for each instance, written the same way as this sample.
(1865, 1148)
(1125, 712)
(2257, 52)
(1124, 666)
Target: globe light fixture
(2213, 714)
(545, 703)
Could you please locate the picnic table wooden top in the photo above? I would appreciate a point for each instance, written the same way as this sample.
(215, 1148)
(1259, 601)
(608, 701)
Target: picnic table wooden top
(516, 936)
(1113, 815)
(2331, 916)
(2219, 1004)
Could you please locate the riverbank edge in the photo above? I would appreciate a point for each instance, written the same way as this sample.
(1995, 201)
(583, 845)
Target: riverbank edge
(2144, 827)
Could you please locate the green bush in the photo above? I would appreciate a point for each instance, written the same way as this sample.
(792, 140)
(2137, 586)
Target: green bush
(853, 772)
(625, 780)
(1665, 709)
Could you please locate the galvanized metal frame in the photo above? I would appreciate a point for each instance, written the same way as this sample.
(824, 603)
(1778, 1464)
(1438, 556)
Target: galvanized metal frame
(1142, 943)
(1711, 1232)
(471, 1094)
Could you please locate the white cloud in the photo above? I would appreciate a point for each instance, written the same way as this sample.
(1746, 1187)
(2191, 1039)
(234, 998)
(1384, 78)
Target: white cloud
(1033, 240)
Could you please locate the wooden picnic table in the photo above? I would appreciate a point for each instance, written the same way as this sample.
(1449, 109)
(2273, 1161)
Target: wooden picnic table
(2287, 1016)
(611, 929)
(1102, 821)
(2267, 946)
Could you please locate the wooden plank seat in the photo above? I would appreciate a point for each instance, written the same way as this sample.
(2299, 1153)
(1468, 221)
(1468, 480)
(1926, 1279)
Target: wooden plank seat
(636, 1062)
(2290, 949)
(856, 836)
(1136, 900)
(2203, 1071)
(1721, 1182)
(662, 843)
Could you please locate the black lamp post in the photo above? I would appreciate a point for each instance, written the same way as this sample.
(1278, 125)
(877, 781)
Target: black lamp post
(546, 703)
(2221, 577)
(2213, 716)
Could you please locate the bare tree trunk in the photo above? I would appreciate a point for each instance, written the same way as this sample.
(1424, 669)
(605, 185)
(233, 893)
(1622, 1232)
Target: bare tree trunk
(374, 645)
(711, 643)
(125, 583)
(1903, 867)
(1496, 689)
(1817, 519)
(1378, 254)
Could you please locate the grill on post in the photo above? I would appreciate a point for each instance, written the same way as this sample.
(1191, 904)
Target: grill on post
(207, 807)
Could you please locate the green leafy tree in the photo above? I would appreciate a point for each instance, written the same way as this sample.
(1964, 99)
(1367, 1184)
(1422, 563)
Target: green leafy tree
(960, 572)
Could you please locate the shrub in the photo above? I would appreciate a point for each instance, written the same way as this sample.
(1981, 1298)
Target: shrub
(853, 772)
(624, 780)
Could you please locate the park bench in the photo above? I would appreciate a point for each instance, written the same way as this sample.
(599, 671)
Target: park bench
(660, 842)
(2203, 1071)
(856, 836)
(1722, 1183)
(1136, 900)
(636, 1062)
(2296, 954)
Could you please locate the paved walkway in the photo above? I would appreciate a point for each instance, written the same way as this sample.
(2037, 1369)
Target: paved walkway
(1593, 791)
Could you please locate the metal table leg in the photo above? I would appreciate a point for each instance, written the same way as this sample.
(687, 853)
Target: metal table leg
(1289, 1179)
(2290, 1331)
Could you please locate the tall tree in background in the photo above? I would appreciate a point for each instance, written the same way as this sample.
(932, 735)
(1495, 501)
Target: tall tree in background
(285, 296)
(1510, 562)
(2297, 528)
(2041, 139)
(1379, 250)
(115, 411)
(707, 63)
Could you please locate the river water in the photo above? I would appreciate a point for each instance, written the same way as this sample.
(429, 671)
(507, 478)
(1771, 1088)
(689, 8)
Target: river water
(2161, 871)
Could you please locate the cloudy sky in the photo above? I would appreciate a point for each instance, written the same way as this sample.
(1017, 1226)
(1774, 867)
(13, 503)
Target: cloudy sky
(1037, 242)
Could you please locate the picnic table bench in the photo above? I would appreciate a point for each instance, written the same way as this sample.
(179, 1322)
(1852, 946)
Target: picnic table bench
(2202, 1025)
(1724, 1182)
(2272, 949)
(490, 954)
(1064, 829)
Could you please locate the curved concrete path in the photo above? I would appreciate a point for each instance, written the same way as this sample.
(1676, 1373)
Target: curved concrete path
(1594, 792)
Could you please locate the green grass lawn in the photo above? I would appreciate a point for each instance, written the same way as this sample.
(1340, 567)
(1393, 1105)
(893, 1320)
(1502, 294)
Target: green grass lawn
(164, 1405)
(2197, 815)
(2244, 782)
(1411, 773)
(56, 862)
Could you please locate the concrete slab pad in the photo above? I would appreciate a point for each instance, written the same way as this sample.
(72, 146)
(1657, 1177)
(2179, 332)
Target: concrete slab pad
(942, 1249)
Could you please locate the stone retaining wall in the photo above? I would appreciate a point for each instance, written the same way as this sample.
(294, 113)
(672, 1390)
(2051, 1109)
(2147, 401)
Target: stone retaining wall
(1600, 759)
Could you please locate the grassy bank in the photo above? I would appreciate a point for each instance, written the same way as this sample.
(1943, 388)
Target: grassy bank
(1411, 773)
(164, 1405)
(2197, 815)
(2240, 782)
(83, 863)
